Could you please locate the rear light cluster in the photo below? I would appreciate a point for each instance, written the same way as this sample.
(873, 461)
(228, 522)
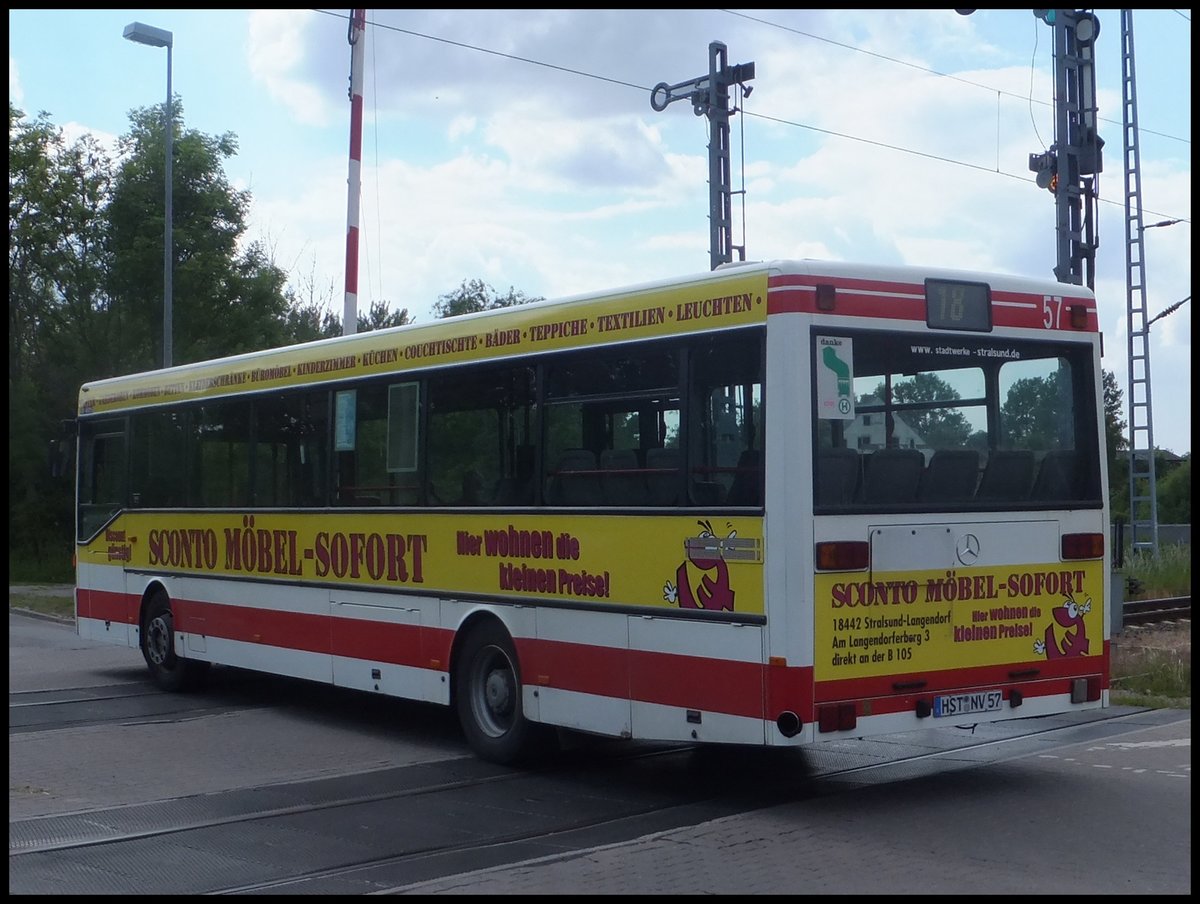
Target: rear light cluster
(837, 717)
(843, 555)
(1083, 546)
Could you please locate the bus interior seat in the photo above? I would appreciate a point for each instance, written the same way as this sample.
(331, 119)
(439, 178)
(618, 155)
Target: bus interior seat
(517, 489)
(951, 476)
(838, 471)
(621, 479)
(662, 481)
(746, 488)
(574, 481)
(1007, 476)
(472, 488)
(705, 492)
(892, 475)
(1056, 478)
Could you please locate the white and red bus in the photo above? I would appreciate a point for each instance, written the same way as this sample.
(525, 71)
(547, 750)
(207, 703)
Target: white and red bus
(772, 504)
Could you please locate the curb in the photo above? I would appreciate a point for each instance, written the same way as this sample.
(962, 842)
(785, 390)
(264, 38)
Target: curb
(44, 616)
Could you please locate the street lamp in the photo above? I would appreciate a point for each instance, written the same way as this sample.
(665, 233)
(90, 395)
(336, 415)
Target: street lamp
(158, 37)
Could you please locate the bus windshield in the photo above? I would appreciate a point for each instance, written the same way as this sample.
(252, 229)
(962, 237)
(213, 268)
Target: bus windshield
(908, 422)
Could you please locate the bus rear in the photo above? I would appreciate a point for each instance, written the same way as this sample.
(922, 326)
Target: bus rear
(953, 530)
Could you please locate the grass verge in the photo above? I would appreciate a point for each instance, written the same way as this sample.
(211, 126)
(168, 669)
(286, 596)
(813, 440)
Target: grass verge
(1154, 670)
(44, 604)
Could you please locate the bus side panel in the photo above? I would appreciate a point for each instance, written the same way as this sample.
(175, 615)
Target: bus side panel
(103, 610)
(576, 685)
(274, 628)
(386, 644)
(696, 681)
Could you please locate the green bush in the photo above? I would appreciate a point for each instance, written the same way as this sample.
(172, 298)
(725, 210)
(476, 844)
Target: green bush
(25, 567)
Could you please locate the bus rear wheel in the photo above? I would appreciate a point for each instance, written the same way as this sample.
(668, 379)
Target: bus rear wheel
(487, 689)
(169, 671)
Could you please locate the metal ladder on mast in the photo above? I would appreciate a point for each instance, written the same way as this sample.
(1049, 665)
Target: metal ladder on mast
(1143, 496)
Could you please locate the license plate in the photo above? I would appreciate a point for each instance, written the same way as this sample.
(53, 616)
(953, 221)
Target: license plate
(965, 704)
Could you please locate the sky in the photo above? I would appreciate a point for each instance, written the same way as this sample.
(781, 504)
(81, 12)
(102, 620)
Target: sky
(520, 148)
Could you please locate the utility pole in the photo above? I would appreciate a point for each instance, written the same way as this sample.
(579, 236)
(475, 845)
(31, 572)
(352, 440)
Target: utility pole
(710, 97)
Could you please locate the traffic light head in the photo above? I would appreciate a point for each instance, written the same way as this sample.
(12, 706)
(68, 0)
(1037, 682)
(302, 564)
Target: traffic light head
(1045, 169)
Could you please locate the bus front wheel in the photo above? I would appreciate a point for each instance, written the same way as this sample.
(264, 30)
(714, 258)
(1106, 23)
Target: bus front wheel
(488, 697)
(169, 671)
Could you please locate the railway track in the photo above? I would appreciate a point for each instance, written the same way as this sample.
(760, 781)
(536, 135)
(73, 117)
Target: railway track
(1150, 612)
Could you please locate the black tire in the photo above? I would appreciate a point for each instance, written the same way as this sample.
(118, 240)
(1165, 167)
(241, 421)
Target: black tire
(487, 691)
(170, 672)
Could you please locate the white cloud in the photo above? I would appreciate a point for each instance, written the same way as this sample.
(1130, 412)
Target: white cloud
(275, 52)
(15, 93)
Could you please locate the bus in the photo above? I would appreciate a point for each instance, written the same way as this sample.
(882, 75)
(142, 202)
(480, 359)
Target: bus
(772, 504)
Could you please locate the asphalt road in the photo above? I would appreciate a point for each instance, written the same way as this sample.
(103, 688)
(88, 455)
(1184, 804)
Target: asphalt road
(374, 796)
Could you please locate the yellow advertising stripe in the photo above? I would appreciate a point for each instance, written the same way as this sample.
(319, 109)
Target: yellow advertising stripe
(617, 559)
(736, 301)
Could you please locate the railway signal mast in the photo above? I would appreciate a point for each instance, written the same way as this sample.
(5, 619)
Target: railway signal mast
(710, 97)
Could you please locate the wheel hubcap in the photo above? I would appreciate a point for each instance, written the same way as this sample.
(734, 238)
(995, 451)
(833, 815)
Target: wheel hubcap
(158, 641)
(498, 689)
(494, 693)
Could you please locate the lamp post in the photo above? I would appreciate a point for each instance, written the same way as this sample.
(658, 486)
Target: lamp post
(158, 37)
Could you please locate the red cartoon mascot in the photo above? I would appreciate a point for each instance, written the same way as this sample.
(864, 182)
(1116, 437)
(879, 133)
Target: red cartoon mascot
(1071, 637)
(702, 579)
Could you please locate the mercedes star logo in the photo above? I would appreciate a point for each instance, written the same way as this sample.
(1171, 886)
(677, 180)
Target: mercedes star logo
(968, 549)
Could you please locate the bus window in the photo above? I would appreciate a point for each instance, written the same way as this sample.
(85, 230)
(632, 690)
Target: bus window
(101, 475)
(726, 433)
(608, 416)
(951, 423)
(220, 439)
(159, 475)
(377, 443)
(480, 443)
(291, 445)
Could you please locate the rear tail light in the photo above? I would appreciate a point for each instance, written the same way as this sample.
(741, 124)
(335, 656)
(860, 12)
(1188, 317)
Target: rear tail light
(1083, 546)
(843, 555)
(837, 717)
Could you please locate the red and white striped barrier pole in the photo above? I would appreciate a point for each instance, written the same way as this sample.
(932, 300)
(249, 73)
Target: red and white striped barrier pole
(358, 25)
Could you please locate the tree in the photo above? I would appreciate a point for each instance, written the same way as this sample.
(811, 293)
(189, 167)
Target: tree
(1032, 416)
(380, 317)
(1114, 423)
(57, 265)
(1116, 445)
(225, 300)
(1174, 494)
(476, 295)
(85, 289)
(943, 427)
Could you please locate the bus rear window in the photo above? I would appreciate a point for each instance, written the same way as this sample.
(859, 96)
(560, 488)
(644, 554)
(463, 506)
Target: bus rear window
(928, 423)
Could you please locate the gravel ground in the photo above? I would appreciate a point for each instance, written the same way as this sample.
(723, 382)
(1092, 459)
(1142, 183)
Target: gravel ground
(1175, 636)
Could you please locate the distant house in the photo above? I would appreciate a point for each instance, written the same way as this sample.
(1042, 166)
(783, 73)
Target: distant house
(1164, 461)
(868, 431)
